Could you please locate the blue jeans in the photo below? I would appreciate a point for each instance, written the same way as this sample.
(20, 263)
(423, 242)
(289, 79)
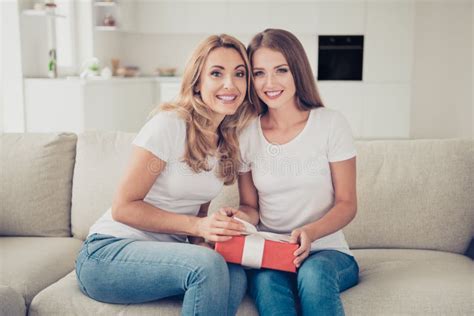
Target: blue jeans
(127, 271)
(317, 284)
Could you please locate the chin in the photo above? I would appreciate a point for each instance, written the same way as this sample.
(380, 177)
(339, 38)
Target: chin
(272, 105)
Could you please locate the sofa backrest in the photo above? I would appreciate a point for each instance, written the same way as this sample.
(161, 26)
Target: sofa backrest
(35, 184)
(414, 194)
(411, 193)
(101, 159)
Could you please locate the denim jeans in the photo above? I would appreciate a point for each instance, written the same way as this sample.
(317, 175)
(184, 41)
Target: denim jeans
(127, 271)
(313, 290)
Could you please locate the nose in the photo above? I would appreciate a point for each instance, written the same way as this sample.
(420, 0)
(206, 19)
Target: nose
(269, 80)
(229, 82)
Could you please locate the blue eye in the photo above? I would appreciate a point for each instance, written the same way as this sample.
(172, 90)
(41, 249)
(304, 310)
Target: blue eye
(215, 74)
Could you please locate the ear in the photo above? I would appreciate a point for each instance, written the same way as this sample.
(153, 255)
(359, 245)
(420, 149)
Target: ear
(196, 89)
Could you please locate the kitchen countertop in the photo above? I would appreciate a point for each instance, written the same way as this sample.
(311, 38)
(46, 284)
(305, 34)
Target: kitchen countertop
(100, 80)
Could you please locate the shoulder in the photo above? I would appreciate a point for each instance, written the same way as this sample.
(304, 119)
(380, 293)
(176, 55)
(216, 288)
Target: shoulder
(328, 118)
(168, 118)
(249, 131)
(326, 114)
(168, 121)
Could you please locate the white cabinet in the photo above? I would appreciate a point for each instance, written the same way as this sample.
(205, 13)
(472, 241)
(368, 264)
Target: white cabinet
(168, 91)
(388, 53)
(374, 111)
(347, 98)
(341, 17)
(75, 105)
(386, 111)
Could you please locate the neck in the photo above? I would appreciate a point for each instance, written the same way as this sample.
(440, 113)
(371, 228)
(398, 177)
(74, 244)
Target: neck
(286, 116)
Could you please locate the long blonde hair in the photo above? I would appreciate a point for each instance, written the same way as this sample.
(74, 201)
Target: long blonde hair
(200, 136)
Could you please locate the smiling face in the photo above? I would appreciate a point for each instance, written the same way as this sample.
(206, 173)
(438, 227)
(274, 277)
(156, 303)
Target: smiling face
(223, 81)
(273, 80)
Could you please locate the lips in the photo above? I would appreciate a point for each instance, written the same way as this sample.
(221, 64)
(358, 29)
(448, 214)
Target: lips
(227, 98)
(273, 94)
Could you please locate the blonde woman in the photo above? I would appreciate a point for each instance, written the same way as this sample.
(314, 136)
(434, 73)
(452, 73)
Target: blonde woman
(151, 243)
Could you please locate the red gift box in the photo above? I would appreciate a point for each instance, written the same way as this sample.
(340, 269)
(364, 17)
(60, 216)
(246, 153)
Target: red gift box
(276, 255)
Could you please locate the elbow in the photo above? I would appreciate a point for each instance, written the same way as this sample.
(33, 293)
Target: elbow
(117, 213)
(353, 210)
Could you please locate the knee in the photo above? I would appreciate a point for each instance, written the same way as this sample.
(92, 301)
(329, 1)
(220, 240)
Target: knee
(211, 266)
(317, 276)
(263, 280)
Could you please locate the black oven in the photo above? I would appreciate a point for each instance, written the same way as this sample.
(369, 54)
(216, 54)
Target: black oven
(340, 57)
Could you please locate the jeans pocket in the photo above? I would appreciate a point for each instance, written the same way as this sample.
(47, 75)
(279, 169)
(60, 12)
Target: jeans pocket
(97, 241)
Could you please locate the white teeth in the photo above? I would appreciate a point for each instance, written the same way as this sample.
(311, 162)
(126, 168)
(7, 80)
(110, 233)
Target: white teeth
(226, 97)
(273, 93)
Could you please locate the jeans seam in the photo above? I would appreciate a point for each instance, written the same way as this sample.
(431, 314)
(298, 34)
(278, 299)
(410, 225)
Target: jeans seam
(196, 301)
(92, 257)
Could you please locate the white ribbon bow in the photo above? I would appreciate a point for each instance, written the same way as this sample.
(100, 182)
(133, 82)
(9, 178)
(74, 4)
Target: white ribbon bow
(254, 243)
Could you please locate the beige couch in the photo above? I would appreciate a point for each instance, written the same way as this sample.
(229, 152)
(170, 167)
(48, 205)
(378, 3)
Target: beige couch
(414, 224)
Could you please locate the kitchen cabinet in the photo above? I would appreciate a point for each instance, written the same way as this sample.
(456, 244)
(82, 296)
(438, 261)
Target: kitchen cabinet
(78, 105)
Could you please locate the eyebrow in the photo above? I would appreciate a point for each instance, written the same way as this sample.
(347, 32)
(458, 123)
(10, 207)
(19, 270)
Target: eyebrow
(220, 67)
(273, 67)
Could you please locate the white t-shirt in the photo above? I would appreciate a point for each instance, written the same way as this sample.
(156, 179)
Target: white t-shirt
(293, 180)
(177, 189)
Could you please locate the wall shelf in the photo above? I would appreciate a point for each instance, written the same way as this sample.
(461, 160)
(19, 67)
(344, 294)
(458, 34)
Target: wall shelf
(42, 13)
(105, 4)
(106, 28)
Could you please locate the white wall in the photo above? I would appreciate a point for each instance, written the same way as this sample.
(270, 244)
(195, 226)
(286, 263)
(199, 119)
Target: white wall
(11, 68)
(412, 86)
(442, 101)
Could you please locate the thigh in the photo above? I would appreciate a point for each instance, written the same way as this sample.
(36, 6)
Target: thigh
(330, 266)
(273, 291)
(117, 270)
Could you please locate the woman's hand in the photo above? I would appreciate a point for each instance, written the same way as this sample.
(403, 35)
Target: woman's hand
(220, 226)
(233, 212)
(299, 236)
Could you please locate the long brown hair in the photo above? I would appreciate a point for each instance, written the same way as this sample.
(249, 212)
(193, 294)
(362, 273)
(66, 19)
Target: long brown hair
(200, 136)
(307, 95)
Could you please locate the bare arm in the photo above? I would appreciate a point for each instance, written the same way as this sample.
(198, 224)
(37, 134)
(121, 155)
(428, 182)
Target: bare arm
(129, 207)
(345, 201)
(344, 210)
(203, 210)
(248, 199)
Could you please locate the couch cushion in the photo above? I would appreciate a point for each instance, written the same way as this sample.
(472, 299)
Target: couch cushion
(100, 163)
(29, 264)
(12, 303)
(36, 180)
(392, 282)
(411, 282)
(65, 298)
(414, 194)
